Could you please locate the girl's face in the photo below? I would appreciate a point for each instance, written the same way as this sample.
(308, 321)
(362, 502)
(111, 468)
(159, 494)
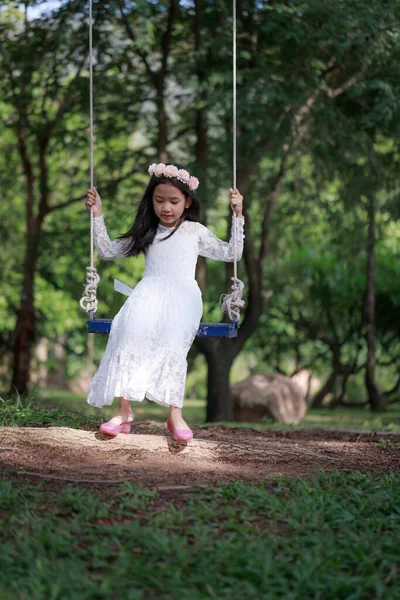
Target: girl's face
(169, 203)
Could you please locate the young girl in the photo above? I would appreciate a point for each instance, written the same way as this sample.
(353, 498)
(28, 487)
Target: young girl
(155, 328)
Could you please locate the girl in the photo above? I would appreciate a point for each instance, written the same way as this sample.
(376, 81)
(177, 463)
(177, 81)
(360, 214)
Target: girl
(155, 328)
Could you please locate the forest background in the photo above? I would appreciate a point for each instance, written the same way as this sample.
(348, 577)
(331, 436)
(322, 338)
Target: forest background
(318, 165)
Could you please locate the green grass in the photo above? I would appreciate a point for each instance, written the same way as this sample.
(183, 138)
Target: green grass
(62, 408)
(338, 418)
(26, 412)
(194, 411)
(146, 410)
(333, 537)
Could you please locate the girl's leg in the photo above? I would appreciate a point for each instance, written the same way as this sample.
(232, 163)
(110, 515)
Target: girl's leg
(176, 419)
(124, 413)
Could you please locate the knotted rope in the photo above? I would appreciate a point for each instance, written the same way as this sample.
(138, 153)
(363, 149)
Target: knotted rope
(233, 302)
(89, 300)
(89, 297)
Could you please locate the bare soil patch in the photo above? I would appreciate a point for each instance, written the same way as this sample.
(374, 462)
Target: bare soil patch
(216, 455)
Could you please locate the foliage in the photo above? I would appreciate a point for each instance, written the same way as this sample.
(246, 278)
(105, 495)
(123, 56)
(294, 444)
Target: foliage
(334, 536)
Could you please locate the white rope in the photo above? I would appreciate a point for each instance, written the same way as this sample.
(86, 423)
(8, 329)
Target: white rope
(233, 302)
(89, 300)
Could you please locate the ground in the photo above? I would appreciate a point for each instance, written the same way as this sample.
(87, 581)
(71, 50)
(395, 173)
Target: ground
(216, 455)
(75, 523)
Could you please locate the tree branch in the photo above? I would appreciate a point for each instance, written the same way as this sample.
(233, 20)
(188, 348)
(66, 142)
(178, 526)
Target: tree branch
(273, 198)
(166, 39)
(152, 75)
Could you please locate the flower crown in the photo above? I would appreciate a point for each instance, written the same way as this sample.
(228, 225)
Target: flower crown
(162, 170)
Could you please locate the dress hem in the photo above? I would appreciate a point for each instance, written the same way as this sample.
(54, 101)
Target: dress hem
(147, 396)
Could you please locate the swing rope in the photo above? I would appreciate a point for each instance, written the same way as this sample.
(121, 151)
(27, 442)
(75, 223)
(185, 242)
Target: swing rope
(89, 300)
(232, 303)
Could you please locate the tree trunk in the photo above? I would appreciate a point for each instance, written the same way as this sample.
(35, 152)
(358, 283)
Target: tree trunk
(25, 324)
(90, 352)
(162, 126)
(327, 388)
(162, 140)
(201, 137)
(219, 362)
(340, 398)
(59, 354)
(375, 398)
(39, 372)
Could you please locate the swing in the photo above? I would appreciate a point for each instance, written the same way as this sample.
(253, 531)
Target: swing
(230, 303)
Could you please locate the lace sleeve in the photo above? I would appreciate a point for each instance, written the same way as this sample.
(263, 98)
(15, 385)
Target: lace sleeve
(212, 247)
(105, 247)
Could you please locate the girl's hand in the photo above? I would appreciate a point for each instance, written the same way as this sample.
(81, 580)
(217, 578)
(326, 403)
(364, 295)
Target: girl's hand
(237, 202)
(93, 199)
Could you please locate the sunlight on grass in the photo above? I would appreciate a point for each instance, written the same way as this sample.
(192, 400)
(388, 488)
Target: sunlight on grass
(144, 411)
(195, 413)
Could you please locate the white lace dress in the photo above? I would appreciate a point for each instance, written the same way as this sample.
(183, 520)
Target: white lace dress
(152, 333)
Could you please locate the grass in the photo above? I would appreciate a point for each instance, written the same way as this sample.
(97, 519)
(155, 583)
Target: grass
(335, 536)
(146, 410)
(26, 412)
(194, 411)
(63, 408)
(338, 418)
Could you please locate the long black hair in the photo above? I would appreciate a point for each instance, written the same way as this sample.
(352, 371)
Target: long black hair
(144, 229)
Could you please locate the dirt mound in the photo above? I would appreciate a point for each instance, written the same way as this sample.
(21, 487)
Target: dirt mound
(151, 457)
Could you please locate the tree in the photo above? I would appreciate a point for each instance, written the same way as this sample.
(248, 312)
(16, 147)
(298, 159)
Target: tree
(293, 73)
(43, 84)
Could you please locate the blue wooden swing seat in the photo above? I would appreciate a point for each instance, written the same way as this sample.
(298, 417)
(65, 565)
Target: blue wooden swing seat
(220, 330)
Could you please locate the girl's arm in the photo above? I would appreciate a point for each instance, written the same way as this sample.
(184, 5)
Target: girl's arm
(105, 247)
(212, 247)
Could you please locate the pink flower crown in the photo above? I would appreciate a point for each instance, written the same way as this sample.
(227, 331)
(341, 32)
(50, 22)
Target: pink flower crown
(162, 170)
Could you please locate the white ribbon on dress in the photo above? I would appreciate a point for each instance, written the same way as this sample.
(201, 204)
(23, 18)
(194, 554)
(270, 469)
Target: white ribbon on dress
(122, 288)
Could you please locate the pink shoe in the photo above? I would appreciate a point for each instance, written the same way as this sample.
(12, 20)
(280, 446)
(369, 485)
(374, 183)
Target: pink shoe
(180, 435)
(114, 429)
